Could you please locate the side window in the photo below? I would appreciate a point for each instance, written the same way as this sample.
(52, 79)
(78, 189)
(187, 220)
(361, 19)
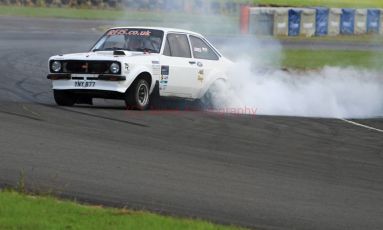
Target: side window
(177, 45)
(201, 50)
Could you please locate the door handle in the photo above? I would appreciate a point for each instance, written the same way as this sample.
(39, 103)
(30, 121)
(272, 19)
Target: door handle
(192, 62)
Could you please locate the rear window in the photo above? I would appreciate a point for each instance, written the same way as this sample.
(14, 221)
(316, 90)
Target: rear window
(202, 50)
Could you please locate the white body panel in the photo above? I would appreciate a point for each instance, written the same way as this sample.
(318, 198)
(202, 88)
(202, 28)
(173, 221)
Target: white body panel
(177, 77)
(181, 80)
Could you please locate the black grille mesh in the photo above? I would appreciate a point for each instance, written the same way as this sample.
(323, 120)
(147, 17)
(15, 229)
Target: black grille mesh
(86, 67)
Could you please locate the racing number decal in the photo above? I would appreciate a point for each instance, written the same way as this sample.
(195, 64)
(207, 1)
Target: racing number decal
(164, 77)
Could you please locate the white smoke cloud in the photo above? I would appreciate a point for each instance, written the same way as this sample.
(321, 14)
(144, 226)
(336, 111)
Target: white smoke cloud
(257, 81)
(329, 92)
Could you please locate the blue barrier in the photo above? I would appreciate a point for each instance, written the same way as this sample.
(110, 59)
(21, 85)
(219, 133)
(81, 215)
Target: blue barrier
(294, 22)
(373, 20)
(347, 21)
(322, 16)
(328, 21)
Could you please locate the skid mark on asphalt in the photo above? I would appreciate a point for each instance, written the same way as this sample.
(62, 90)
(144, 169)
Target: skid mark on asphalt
(20, 83)
(30, 111)
(21, 115)
(361, 125)
(36, 95)
(97, 116)
(15, 93)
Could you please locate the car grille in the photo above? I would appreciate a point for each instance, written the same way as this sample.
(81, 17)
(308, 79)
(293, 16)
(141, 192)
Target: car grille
(86, 67)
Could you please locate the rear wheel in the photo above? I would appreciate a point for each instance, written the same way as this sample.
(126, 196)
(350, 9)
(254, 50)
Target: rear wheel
(64, 98)
(138, 96)
(213, 96)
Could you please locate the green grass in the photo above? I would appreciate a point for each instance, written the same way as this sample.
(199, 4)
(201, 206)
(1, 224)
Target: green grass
(24, 212)
(173, 16)
(202, 23)
(328, 3)
(314, 59)
(82, 13)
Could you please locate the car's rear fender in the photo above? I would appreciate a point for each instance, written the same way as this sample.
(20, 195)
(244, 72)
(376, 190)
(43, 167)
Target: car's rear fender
(210, 80)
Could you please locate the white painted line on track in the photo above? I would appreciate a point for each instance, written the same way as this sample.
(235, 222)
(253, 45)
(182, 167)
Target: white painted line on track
(361, 125)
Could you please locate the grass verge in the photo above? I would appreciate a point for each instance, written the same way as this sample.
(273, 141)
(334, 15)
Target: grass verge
(211, 24)
(314, 59)
(18, 211)
(203, 23)
(74, 13)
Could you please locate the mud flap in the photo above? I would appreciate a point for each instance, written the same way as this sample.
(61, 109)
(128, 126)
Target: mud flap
(155, 99)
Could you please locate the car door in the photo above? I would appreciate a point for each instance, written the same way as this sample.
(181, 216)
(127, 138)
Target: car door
(207, 59)
(178, 68)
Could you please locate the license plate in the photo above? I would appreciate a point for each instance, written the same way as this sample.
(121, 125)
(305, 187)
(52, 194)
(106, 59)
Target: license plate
(85, 84)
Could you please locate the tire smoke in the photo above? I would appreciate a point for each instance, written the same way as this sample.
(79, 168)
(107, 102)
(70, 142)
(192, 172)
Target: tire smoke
(330, 92)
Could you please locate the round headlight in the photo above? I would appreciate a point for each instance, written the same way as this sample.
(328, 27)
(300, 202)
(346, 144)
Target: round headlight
(114, 68)
(56, 66)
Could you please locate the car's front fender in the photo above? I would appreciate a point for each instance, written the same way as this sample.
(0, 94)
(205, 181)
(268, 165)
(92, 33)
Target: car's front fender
(136, 72)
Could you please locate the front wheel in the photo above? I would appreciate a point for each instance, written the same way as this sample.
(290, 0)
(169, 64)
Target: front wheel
(138, 96)
(64, 98)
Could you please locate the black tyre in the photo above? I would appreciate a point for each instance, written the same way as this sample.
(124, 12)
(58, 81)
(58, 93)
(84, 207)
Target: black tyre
(64, 98)
(213, 96)
(138, 95)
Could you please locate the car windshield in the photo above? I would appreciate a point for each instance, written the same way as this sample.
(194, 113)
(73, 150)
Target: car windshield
(138, 40)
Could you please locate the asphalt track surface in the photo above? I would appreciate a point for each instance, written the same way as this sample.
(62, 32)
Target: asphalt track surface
(256, 171)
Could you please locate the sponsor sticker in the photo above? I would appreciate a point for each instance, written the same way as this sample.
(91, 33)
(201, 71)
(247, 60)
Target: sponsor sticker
(164, 77)
(201, 74)
(129, 32)
(164, 70)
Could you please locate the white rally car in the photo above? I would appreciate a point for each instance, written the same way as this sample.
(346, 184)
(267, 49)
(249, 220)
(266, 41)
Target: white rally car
(133, 63)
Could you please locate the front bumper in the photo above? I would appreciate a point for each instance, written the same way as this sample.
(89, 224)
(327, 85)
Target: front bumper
(101, 77)
(81, 82)
(59, 76)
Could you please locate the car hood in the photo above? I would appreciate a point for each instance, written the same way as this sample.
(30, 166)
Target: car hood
(101, 55)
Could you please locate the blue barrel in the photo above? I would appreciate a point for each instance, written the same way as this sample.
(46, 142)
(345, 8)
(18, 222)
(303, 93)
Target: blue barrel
(373, 20)
(321, 26)
(294, 22)
(347, 21)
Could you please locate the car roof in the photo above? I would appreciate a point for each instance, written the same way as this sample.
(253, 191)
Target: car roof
(165, 29)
